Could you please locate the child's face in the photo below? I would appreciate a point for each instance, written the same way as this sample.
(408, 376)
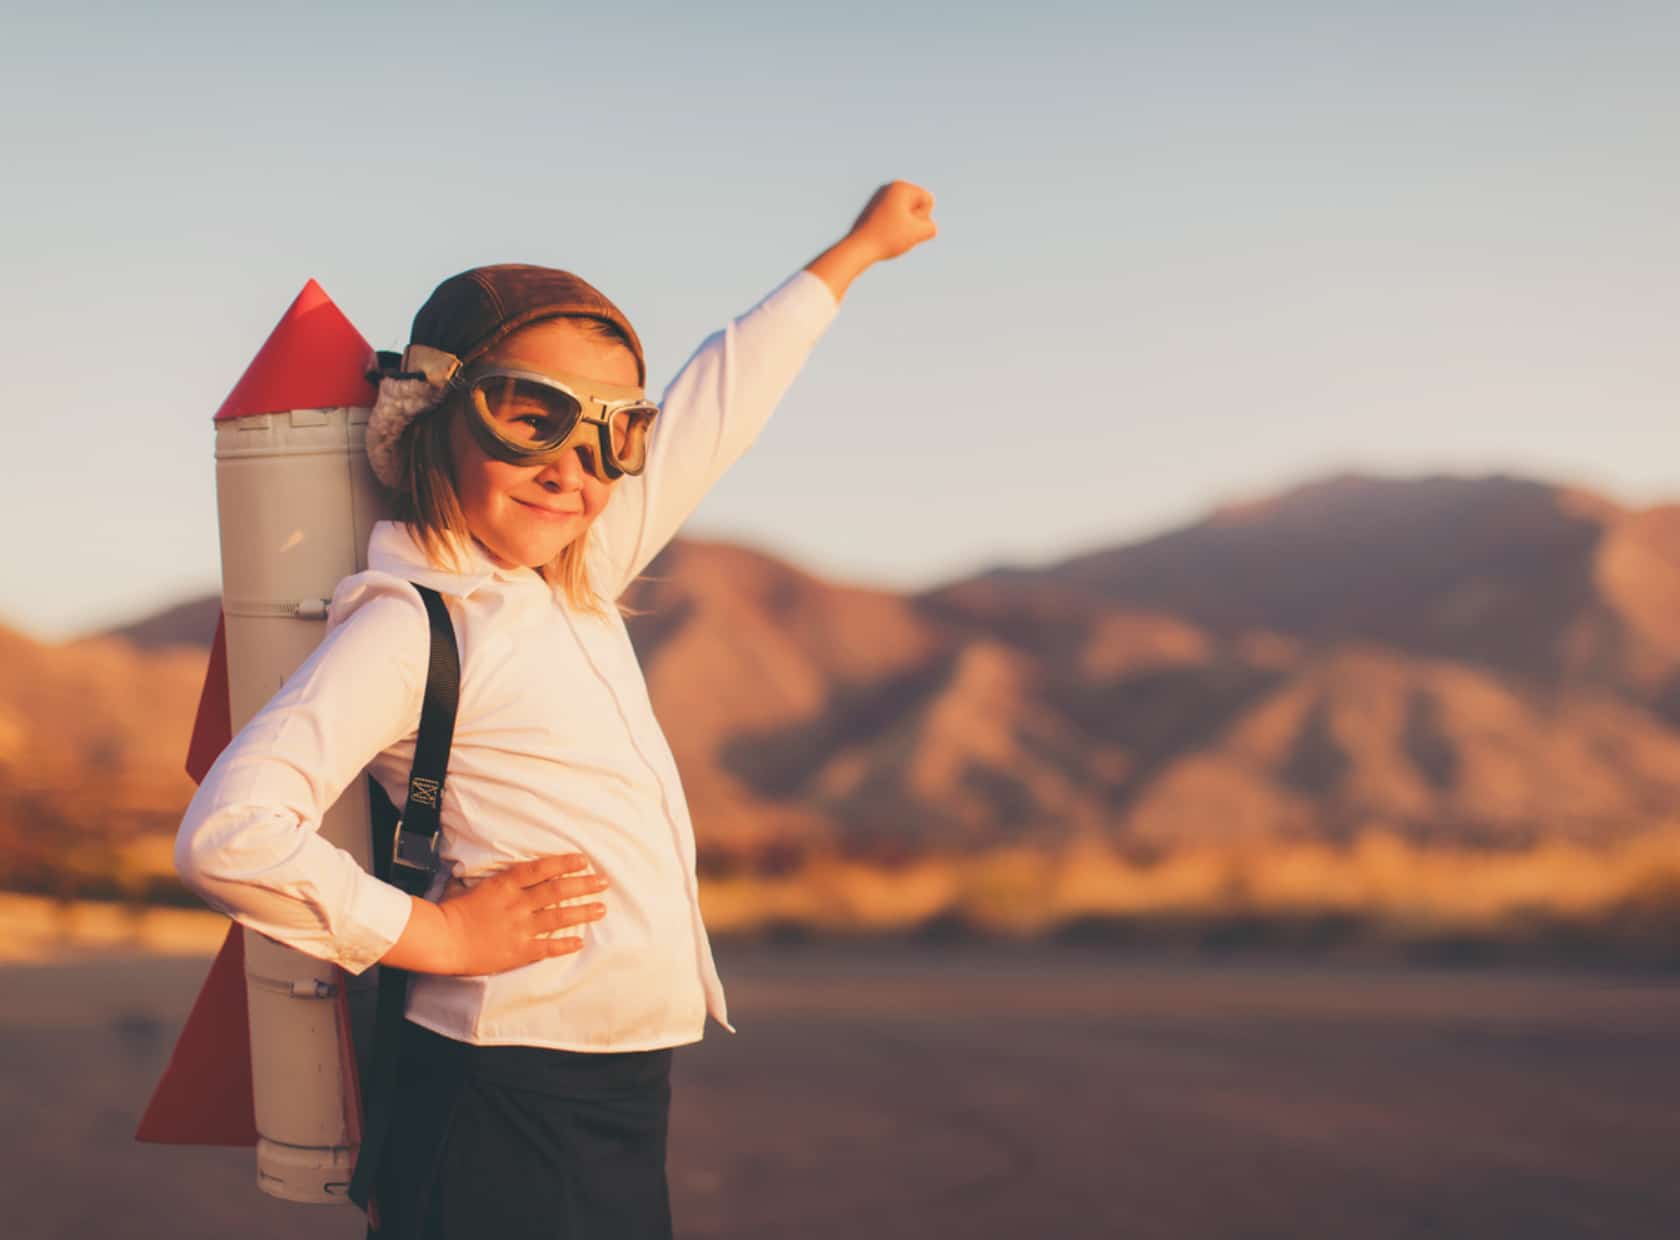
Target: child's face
(525, 515)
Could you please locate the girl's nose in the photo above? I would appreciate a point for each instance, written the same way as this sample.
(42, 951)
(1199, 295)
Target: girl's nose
(565, 472)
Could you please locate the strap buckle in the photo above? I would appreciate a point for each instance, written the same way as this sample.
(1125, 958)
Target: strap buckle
(413, 850)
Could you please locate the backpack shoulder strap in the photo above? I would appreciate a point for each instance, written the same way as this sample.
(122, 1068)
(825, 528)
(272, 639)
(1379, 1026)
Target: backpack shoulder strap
(404, 853)
(413, 852)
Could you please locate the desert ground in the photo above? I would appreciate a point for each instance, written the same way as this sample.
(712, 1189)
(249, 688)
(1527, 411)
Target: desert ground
(963, 1090)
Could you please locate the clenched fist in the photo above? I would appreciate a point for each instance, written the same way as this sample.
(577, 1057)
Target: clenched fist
(897, 218)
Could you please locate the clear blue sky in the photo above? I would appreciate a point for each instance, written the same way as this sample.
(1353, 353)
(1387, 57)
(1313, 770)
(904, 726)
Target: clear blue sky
(1190, 251)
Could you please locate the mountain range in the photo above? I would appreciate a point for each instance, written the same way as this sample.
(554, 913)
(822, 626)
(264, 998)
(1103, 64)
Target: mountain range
(1467, 662)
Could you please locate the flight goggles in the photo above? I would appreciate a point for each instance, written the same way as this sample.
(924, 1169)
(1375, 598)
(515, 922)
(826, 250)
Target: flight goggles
(527, 417)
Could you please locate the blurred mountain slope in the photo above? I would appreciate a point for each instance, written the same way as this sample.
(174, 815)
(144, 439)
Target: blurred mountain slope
(1546, 582)
(1483, 663)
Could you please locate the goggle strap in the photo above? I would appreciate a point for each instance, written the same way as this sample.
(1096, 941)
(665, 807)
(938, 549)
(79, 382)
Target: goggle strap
(433, 365)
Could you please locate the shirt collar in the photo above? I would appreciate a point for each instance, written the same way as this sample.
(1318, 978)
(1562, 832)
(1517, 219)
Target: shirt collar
(393, 549)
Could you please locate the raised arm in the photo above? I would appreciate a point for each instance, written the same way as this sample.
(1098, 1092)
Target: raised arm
(722, 397)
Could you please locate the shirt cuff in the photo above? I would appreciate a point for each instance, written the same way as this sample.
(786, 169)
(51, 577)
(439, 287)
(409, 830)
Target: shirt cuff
(379, 915)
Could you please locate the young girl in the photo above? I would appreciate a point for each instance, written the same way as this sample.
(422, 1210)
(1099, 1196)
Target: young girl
(561, 955)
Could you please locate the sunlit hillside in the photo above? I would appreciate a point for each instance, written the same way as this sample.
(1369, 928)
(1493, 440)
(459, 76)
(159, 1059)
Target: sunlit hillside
(1365, 710)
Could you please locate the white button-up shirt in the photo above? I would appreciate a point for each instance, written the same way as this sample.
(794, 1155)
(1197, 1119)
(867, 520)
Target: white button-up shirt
(556, 747)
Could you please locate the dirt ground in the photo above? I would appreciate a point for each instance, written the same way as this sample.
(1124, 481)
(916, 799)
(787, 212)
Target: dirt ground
(971, 1092)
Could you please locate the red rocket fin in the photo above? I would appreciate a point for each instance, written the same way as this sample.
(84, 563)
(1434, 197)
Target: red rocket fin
(204, 1095)
(313, 359)
(213, 725)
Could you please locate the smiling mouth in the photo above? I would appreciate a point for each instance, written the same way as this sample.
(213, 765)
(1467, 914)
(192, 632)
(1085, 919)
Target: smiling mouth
(549, 512)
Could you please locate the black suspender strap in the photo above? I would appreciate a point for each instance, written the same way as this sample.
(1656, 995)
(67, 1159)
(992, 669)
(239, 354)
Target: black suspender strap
(414, 845)
(404, 853)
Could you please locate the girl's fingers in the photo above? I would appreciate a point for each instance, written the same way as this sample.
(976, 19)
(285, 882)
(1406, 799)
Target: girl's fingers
(565, 887)
(566, 915)
(559, 947)
(530, 873)
(912, 196)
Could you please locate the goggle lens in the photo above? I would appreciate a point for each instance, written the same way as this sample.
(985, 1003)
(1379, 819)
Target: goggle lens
(630, 435)
(527, 414)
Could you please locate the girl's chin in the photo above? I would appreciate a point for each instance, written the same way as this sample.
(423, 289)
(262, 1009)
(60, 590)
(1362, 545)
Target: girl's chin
(539, 551)
(532, 553)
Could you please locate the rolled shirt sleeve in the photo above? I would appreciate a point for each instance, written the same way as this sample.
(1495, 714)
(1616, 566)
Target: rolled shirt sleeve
(249, 844)
(711, 413)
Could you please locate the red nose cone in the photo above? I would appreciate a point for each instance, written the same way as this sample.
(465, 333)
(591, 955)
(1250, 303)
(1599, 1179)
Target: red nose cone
(313, 359)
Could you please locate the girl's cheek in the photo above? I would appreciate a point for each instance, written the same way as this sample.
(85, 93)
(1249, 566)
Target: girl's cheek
(509, 477)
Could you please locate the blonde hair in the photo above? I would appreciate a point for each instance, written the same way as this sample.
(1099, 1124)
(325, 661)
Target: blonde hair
(429, 505)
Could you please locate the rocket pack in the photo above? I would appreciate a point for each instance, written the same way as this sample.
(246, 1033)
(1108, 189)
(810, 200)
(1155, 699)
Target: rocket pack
(269, 1053)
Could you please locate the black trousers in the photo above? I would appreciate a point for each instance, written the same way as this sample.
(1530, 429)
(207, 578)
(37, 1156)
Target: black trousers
(519, 1141)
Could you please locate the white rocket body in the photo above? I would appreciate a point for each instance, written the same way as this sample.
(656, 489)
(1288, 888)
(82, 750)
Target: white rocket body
(296, 500)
